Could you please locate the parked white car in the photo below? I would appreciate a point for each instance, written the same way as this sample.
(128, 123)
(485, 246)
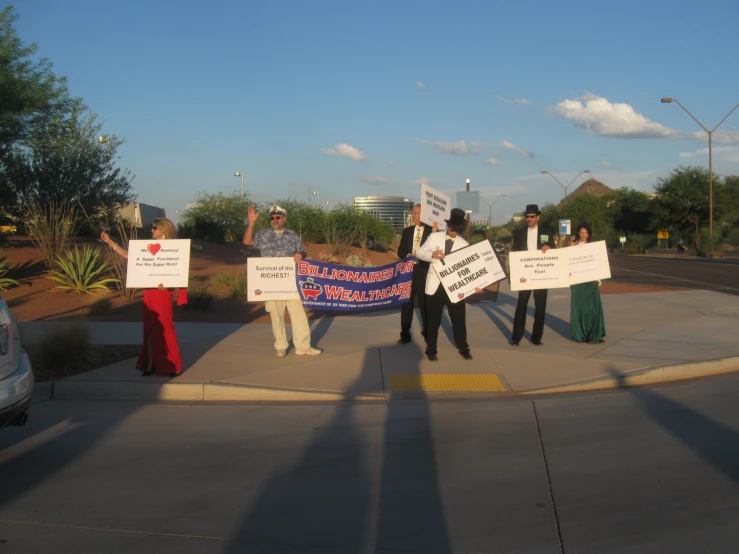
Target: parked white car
(16, 375)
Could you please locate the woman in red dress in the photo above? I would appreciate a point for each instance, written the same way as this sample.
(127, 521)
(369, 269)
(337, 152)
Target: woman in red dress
(160, 352)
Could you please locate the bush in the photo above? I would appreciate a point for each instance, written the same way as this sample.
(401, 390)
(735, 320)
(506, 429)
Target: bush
(51, 227)
(239, 286)
(734, 237)
(80, 271)
(126, 231)
(358, 261)
(224, 278)
(216, 217)
(198, 295)
(324, 257)
(61, 351)
(6, 282)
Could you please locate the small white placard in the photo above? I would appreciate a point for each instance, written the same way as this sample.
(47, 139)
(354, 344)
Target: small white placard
(534, 270)
(587, 262)
(155, 262)
(271, 279)
(435, 206)
(472, 267)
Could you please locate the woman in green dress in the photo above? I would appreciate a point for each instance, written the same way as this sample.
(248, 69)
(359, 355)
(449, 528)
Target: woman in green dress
(587, 322)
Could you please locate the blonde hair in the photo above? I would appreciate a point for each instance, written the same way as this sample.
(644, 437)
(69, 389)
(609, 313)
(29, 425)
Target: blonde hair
(166, 227)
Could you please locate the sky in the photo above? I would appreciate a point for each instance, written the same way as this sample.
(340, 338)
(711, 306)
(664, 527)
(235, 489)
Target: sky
(355, 98)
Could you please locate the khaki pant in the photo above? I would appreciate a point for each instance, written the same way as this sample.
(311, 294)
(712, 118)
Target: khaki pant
(301, 329)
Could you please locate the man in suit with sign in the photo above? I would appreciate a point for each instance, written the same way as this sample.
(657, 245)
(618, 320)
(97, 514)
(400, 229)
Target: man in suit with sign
(436, 247)
(411, 241)
(531, 238)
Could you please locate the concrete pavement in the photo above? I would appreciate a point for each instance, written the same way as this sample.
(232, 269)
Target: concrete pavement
(652, 337)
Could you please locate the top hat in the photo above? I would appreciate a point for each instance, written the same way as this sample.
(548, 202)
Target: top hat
(456, 221)
(532, 209)
(275, 209)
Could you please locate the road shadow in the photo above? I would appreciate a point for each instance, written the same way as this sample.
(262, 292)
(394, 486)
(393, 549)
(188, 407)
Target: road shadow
(713, 441)
(327, 502)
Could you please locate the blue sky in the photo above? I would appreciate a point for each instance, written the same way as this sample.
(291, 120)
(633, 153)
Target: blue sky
(358, 98)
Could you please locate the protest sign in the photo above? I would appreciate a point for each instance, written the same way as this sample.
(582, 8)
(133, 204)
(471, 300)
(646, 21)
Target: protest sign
(271, 279)
(435, 206)
(534, 270)
(324, 286)
(155, 262)
(587, 262)
(472, 267)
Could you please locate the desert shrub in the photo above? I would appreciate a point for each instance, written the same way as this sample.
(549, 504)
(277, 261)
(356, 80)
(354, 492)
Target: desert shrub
(381, 247)
(395, 244)
(52, 227)
(239, 286)
(82, 271)
(199, 296)
(325, 257)
(733, 237)
(62, 350)
(358, 261)
(100, 307)
(126, 231)
(6, 282)
(638, 244)
(224, 278)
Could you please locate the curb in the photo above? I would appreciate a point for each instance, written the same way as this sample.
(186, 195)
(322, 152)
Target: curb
(649, 376)
(196, 392)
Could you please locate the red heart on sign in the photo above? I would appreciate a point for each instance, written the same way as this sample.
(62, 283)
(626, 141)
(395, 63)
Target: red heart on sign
(154, 248)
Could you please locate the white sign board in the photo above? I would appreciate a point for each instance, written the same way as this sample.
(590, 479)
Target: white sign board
(472, 267)
(435, 206)
(155, 262)
(587, 262)
(534, 270)
(271, 279)
(622, 239)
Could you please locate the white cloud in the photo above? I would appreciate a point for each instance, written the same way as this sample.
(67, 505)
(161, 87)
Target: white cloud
(521, 101)
(376, 180)
(420, 84)
(719, 136)
(393, 163)
(345, 151)
(491, 161)
(516, 149)
(726, 154)
(421, 181)
(458, 148)
(603, 164)
(601, 117)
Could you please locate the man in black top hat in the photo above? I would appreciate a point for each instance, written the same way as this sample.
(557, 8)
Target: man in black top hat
(532, 237)
(436, 247)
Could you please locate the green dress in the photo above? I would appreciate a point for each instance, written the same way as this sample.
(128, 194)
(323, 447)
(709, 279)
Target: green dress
(587, 322)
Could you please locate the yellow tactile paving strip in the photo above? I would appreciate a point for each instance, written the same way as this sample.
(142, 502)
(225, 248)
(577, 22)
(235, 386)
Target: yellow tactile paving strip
(432, 382)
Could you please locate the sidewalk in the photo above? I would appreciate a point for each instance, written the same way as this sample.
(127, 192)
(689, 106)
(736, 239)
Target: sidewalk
(652, 337)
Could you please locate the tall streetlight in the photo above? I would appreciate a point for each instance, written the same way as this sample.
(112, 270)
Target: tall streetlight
(329, 206)
(710, 164)
(240, 174)
(106, 139)
(490, 215)
(568, 186)
(318, 200)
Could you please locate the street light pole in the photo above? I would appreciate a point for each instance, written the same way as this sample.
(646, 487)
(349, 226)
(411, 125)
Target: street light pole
(710, 163)
(467, 183)
(568, 186)
(490, 214)
(240, 174)
(318, 200)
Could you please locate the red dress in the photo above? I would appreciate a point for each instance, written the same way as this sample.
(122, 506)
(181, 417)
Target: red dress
(159, 328)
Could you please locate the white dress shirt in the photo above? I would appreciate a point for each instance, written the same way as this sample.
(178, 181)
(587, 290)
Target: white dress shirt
(531, 243)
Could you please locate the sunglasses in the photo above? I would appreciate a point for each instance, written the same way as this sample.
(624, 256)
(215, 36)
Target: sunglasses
(154, 227)
(276, 217)
(531, 217)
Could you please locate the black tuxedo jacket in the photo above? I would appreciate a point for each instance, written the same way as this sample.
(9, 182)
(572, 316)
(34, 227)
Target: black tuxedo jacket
(406, 242)
(520, 239)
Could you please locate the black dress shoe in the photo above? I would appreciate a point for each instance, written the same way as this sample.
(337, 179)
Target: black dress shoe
(432, 357)
(513, 343)
(402, 340)
(466, 355)
(537, 343)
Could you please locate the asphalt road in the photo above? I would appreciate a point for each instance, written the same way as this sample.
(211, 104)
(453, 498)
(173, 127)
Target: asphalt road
(696, 273)
(636, 470)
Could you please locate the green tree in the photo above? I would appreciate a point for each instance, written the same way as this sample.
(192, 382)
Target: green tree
(303, 218)
(630, 211)
(682, 201)
(216, 217)
(587, 208)
(64, 161)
